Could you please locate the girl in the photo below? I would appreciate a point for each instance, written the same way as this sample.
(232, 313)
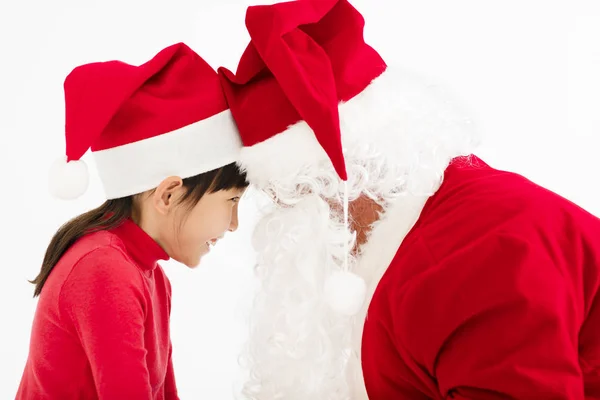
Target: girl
(165, 146)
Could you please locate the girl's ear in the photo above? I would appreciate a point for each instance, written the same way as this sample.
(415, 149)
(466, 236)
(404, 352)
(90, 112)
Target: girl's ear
(167, 193)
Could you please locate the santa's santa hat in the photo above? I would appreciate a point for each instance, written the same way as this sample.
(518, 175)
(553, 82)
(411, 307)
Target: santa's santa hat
(306, 73)
(166, 117)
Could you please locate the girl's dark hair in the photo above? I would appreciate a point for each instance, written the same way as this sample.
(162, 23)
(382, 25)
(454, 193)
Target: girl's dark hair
(113, 212)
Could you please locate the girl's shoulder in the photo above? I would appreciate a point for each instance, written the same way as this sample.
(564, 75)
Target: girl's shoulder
(98, 253)
(96, 261)
(97, 245)
(99, 281)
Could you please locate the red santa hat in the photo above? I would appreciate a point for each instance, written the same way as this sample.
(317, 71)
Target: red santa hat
(144, 123)
(306, 59)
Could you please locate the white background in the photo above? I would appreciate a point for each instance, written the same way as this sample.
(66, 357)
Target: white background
(529, 70)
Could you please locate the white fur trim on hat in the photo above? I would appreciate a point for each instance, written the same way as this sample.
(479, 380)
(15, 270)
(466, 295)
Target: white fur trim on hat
(194, 149)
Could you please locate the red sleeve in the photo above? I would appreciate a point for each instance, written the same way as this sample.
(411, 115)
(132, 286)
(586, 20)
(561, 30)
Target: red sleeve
(170, 384)
(104, 297)
(502, 322)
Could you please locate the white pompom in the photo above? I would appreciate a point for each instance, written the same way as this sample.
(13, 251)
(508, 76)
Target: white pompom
(68, 181)
(345, 292)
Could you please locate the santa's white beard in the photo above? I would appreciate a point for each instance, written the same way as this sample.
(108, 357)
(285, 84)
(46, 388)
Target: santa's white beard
(298, 347)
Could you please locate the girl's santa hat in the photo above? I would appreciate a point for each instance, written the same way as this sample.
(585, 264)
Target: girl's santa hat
(166, 117)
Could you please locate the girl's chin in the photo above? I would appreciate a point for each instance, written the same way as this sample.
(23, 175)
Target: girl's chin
(194, 261)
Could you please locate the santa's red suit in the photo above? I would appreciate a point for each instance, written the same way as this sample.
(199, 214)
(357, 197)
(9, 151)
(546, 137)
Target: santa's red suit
(474, 283)
(489, 289)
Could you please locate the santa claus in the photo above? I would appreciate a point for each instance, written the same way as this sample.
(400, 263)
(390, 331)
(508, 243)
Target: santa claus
(450, 279)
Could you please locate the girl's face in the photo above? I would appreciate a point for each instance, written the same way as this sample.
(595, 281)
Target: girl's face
(186, 233)
(204, 225)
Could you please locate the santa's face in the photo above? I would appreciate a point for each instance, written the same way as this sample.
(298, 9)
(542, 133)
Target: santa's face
(300, 242)
(363, 213)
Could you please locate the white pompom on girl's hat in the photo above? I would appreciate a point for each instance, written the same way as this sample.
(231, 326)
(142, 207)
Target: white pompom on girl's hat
(144, 123)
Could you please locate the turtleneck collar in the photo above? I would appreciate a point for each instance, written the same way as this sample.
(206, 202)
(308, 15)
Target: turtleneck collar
(142, 248)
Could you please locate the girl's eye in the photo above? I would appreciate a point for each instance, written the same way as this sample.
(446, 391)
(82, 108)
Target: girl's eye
(235, 199)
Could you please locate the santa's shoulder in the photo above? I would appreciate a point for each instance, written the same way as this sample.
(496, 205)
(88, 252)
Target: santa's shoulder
(476, 200)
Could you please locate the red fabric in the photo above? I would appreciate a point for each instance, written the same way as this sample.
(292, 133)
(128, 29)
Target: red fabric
(101, 328)
(303, 59)
(111, 103)
(494, 294)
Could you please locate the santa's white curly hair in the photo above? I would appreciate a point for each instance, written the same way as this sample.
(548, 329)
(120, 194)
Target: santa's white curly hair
(398, 136)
